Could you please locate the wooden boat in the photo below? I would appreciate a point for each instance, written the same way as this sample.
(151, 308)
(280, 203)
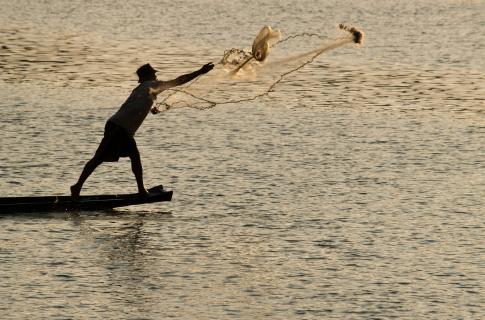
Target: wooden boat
(44, 204)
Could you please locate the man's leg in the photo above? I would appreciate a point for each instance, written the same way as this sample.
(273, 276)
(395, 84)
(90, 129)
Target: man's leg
(90, 166)
(137, 169)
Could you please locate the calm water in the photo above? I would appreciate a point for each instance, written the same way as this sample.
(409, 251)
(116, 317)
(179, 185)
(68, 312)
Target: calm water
(353, 191)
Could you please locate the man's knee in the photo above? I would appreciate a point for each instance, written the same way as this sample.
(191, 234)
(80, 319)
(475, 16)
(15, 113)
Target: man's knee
(135, 157)
(95, 161)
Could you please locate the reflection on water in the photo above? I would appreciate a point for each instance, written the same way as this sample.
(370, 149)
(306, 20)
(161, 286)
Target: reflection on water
(354, 190)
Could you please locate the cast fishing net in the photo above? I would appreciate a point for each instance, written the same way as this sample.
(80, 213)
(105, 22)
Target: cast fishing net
(247, 74)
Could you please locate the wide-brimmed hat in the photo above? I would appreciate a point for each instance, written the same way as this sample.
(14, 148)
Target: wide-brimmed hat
(145, 70)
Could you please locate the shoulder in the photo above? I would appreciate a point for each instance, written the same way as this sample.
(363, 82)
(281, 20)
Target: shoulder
(148, 86)
(156, 86)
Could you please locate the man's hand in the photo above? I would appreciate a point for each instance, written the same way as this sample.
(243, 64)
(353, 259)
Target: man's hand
(207, 67)
(154, 110)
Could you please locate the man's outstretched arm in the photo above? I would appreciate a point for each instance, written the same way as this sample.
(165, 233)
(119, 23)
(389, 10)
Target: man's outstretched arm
(185, 78)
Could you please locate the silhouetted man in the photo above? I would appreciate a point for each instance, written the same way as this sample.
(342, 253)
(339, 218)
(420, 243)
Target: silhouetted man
(118, 140)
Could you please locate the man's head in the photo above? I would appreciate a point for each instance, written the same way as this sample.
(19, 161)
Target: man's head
(146, 73)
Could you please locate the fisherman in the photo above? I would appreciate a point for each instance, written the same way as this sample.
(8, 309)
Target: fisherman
(118, 140)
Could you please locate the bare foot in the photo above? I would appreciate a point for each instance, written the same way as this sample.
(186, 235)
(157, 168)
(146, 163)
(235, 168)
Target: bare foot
(75, 191)
(143, 192)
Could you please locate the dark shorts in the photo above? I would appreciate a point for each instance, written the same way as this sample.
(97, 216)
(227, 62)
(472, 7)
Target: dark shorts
(116, 143)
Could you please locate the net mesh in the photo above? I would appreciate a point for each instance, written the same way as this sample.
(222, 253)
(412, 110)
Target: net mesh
(245, 75)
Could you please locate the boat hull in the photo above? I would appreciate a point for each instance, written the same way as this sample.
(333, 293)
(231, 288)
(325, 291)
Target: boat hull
(46, 204)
